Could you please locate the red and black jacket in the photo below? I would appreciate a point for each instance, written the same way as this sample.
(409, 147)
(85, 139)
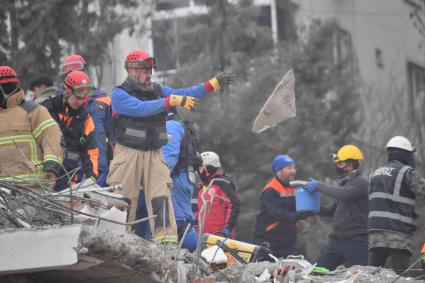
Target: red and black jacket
(276, 223)
(225, 207)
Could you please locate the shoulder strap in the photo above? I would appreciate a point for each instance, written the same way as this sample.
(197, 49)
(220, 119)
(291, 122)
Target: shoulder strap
(226, 180)
(28, 106)
(158, 90)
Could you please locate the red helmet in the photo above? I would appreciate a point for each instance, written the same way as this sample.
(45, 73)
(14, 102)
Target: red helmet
(139, 59)
(73, 63)
(8, 75)
(78, 83)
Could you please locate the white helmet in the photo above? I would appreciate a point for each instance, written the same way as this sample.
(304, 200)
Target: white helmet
(400, 142)
(210, 158)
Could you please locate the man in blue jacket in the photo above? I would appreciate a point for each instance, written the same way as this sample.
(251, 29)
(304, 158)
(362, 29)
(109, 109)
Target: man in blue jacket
(99, 107)
(140, 111)
(183, 159)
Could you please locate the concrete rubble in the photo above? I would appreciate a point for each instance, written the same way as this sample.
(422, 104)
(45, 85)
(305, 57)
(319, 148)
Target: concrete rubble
(44, 239)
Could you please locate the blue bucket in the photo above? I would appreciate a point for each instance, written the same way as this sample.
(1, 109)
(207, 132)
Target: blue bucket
(306, 201)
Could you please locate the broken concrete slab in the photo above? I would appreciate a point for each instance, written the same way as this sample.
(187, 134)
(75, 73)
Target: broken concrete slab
(28, 249)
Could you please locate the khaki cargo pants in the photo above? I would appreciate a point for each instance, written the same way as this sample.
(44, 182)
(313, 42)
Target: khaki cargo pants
(134, 168)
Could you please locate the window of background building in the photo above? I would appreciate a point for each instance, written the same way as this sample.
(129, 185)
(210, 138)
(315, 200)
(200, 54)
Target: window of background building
(162, 5)
(341, 42)
(285, 21)
(264, 16)
(163, 40)
(416, 81)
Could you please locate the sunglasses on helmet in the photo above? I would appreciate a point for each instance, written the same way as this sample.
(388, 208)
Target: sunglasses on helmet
(71, 66)
(81, 91)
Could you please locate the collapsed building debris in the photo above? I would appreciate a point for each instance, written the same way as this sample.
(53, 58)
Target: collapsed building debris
(80, 236)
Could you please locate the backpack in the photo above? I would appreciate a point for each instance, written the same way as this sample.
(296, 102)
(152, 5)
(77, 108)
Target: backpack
(189, 149)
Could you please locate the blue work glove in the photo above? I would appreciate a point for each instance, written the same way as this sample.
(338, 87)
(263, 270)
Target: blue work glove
(311, 185)
(226, 232)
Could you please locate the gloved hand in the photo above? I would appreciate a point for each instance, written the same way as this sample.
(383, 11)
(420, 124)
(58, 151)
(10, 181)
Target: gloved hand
(227, 232)
(226, 78)
(188, 102)
(311, 185)
(50, 178)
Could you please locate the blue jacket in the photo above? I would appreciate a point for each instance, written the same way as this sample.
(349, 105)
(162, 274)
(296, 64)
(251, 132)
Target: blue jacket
(99, 107)
(124, 103)
(182, 190)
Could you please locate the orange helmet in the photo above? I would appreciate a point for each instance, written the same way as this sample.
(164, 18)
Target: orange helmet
(78, 83)
(73, 63)
(139, 59)
(8, 75)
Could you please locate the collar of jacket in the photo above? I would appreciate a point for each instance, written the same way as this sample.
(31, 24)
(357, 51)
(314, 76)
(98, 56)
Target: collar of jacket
(15, 99)
(218, 173)
(344, 180)
(96, 94)
(279, 187)
(134, 85)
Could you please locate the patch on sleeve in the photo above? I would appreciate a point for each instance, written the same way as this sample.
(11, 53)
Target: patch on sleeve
(100, 106)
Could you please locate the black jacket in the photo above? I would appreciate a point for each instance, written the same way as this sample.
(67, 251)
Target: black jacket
(276, 223)
(350, 211)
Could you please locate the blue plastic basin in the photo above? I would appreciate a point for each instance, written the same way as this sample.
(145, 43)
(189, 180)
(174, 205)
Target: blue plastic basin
(306, 201)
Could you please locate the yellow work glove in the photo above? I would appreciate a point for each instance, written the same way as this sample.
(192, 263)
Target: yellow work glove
(188, 102)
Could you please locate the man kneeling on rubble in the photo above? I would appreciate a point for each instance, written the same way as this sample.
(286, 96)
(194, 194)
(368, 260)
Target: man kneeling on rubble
(276, 225)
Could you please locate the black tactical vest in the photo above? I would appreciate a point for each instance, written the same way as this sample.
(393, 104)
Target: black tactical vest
(391, 203)
(142, 133)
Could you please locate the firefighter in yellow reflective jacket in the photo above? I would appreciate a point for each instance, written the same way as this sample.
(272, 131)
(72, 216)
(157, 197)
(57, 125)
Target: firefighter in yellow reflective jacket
(29, 138)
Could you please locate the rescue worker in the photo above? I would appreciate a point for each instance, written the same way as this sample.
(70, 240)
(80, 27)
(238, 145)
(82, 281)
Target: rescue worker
(222, 214)
(42, 88)
(77, 127)
(140, 110)
(394, 188)
(276, 224)
(30, 147)
(99, 108)
(348, 242)
(183, 159)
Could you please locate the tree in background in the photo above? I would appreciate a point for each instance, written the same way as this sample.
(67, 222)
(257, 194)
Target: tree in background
(40, 32)
(326, 90)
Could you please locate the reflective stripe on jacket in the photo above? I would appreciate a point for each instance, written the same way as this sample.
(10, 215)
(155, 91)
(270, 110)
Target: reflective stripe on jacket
(29, 140)
(391, 203)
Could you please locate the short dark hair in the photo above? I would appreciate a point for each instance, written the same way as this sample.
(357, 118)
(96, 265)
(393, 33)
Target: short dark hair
(41, 80)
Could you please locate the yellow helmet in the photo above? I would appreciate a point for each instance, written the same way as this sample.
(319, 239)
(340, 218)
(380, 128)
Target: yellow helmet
(348, 152)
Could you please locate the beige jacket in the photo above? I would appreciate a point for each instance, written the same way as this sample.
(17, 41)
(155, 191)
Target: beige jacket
(29, 140)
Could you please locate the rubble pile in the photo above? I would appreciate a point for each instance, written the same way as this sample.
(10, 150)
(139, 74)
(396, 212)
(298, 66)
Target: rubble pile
(107, 253)
(270, 272)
